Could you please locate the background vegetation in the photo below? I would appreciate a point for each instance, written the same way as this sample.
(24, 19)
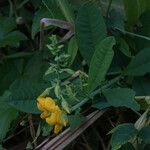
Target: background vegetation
(86, 55)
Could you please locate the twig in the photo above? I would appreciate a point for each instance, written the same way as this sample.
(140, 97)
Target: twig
(41, 35)
(32, 130)
(66, 137)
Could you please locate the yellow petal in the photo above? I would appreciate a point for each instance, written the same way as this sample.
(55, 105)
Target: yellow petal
(40, 99)
(45, 114)
(58, 115)
(57, 128)
(49, 104)
(40, 107)
(52, 120)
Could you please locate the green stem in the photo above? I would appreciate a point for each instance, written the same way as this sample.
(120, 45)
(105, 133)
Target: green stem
(111, 82)
(109, 6)
(133, 34)
(11, 8)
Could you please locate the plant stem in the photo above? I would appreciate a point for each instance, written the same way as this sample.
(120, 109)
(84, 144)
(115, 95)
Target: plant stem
(11, 8)
(109, 6)
(111, 82)
(132, 34)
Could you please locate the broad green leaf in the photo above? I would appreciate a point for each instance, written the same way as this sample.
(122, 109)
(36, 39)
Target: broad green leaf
(144, 134)
(133, 13)
(8, 73)
(139, 65)
(23, 93)
(116, 19)
(7, 115)
(54, 9)
(122, 134)
(36, 66)
(46, 129)
(124, 48)
(100, 62)
(144, 30)
(18, 55)
(127, 146)
(76, 120)
(90, 30)
(66, 10)
(101, 105)
(6, 25)
(72, 49)
(41, 13)
(141, 86)
(121, 97)
(12, 39)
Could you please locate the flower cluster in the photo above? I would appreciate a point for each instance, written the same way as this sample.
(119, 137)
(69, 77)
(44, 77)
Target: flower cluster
(51, 113)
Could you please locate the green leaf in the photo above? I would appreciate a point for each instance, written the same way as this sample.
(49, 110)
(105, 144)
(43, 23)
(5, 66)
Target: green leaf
(144, 134)
(46, 129)
(23, 93)
(101, 105)
(127, 146)
(100, 62)
(133, 13)
(54, 9)
(41, 13)
(36, 67)
(90, 30)
(72, 49)
(7, 24)
(139, 65)
(66, 10)
(76, 120)
(7, 115)
(141, 85)
(12, 39)
(121, 97)
(122, 134)
(8, 73)
(144, 30)
(124, 48)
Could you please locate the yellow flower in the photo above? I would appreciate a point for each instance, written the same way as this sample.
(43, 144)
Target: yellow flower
(51, 113)
(57, 128)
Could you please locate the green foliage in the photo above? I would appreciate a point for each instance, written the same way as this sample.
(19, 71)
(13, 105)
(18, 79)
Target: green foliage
(139, 65)
(121, 97)
(144, 134)
(72, 49)
(76, 120)
(133, 13)
(22, 95)
(41, 13)
(100, 62)
(7, 115)
(122, 134)
(90, 30)
(8, 38)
